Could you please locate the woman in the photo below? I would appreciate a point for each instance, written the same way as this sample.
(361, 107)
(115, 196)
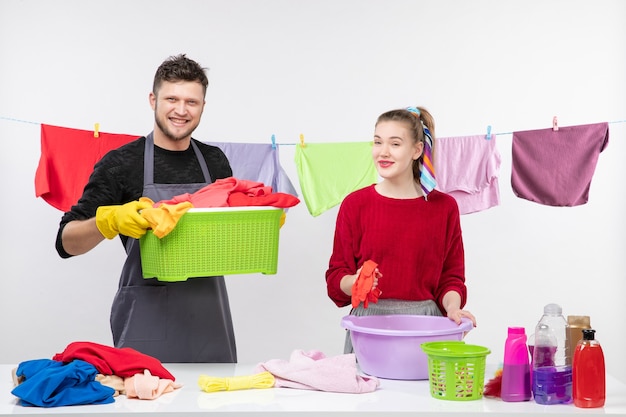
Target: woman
(409, 229)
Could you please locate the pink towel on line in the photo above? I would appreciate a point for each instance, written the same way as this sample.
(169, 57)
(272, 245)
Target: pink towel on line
(312, 370)
(468, 168)
(555, 168)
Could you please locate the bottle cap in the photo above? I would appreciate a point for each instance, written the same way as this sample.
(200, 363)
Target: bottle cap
(516, 330)
(553, 309)
(589, 334)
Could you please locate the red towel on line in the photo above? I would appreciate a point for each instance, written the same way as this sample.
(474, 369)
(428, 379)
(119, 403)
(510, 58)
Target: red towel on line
(123, 362)
(67, 160)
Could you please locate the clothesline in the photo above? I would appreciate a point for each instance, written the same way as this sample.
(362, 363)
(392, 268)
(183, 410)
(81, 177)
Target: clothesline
(301, 136)
(488, 133)
(18, 120)
(323, 186)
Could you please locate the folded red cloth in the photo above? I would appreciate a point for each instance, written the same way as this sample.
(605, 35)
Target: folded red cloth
(280, 200)
(234, 192)
(123, 362)
(216, 194)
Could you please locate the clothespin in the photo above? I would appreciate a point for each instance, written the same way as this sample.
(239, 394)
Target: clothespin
(488, 137)
(96, 130)
(273, 141)
(555, 126)
(301, 140)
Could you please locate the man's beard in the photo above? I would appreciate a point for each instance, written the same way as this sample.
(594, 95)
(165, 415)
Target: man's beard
(169, 134)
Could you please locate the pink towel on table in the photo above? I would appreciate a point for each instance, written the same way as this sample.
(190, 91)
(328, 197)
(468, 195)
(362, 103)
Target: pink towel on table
(555, 168)
(467, 169)
(312, 370)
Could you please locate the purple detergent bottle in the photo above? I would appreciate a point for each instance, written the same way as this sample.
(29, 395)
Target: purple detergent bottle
(516, 370)
(552, 364)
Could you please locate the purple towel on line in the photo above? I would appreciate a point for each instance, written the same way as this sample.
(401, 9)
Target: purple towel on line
(258, 162)
(555, 168)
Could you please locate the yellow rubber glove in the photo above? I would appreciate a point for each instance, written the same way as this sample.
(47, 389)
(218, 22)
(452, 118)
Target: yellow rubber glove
(124, 219)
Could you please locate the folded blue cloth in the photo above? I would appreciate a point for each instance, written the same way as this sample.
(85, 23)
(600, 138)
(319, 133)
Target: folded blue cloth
(49, 383)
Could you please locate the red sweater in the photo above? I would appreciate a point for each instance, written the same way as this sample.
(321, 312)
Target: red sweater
(417, 244)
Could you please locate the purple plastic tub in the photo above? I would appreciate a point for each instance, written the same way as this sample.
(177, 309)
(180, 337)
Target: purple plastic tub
(390, 346)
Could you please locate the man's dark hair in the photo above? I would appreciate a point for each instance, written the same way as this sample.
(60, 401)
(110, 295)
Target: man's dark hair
(179, 68)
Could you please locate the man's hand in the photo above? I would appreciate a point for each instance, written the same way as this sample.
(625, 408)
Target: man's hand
(122, 219)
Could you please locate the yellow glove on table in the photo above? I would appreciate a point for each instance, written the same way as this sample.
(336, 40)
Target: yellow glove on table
(124, 219)
(212, 384)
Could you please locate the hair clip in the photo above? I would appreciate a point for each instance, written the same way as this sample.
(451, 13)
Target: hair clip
(414, 110)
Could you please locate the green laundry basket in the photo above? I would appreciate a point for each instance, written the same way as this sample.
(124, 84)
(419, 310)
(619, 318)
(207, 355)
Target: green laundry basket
(456, 370)
(210, 242)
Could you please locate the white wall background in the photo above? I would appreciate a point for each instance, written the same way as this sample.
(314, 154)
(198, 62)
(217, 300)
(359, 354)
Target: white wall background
(327, 69)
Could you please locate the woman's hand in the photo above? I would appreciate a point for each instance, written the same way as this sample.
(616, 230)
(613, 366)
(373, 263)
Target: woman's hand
(347, 282)
(452, 304)
(458, 314)
(377, 276)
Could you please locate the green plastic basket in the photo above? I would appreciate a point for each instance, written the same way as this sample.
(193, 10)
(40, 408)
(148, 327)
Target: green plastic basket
(456, 370)
(213, 242)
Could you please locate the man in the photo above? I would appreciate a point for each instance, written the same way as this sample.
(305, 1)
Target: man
(186, 321)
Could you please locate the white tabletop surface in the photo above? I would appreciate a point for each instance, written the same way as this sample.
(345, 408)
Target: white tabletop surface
(391, 396)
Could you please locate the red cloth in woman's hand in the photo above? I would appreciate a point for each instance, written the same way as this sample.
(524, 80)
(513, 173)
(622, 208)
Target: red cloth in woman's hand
(362, 289)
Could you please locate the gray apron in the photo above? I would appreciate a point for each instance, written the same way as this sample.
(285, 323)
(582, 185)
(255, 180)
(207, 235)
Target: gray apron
(186, 321)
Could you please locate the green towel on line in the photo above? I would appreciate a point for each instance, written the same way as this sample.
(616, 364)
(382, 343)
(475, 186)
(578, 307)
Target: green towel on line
(330, 171)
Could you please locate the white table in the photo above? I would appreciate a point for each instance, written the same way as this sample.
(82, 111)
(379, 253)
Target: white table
(392, 396)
